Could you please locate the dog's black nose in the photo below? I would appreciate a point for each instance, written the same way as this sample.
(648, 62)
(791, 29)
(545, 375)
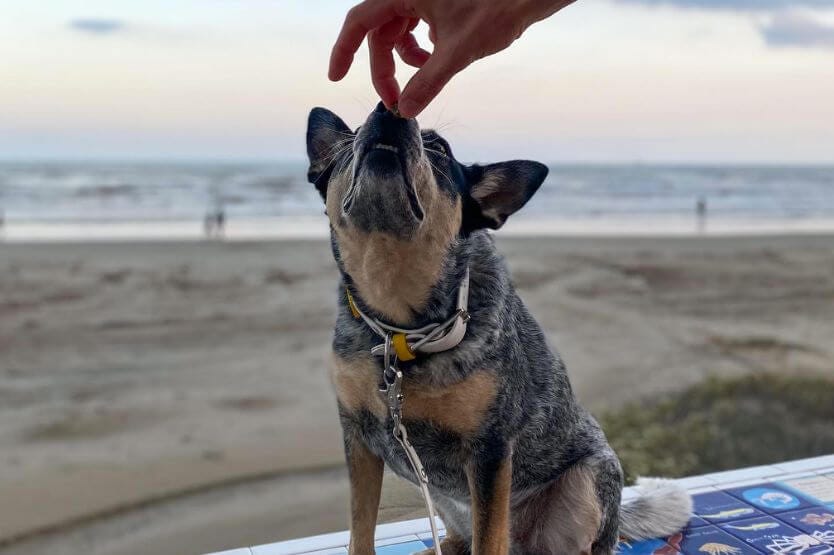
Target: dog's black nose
(393, 111)
(382, 112)
(383, 126)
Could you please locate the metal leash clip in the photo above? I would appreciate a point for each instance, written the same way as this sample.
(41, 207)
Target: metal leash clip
(389, 366)
(395, 399)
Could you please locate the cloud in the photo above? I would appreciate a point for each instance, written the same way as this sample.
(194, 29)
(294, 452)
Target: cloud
(788, 22)
(793, 29)
(738, 5)
(97, 26)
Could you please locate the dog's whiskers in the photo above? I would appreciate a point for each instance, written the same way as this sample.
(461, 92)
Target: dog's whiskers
(333, 129)
(338, 147)
(336, 155)
(438, 170)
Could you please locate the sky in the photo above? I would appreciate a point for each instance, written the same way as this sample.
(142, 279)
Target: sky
(634, 81)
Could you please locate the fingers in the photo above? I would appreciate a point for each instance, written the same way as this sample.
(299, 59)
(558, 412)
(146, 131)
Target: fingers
(381, 44)
(390, 26)
(410, 51)
(360, 20)
(427, 83)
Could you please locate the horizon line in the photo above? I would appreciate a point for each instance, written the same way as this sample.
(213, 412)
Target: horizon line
(257, 160)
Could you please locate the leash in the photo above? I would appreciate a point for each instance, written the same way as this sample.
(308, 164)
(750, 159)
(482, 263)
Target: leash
(404, 344)
(393, 393)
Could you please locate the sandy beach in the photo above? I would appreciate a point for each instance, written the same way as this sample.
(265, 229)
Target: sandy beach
(173, 397)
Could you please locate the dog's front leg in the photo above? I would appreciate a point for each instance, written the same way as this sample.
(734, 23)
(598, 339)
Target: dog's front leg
(365, 471)
(490, 481)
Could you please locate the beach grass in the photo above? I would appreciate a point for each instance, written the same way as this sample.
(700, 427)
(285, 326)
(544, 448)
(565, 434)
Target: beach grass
(723, 424)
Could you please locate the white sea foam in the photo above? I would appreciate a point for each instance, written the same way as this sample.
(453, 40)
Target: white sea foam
(300, 227)
(101, 201)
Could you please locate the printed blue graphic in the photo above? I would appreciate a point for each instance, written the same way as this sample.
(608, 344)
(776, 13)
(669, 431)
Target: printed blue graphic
(769, 535)
(718, 507)
(762, 519)
(816, 521)
(771, 498)
(712, 541)
(648, 547)
(697, 522)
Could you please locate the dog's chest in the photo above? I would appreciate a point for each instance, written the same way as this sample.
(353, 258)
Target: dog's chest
(440, 421)
(459, 408)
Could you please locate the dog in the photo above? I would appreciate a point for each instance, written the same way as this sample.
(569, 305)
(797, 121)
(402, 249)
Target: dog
(514, 463)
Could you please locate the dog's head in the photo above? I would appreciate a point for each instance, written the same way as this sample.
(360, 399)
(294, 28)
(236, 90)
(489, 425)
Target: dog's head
(396, 196)
(385, 176)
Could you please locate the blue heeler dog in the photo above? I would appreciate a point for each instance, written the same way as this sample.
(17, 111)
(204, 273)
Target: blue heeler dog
(514, 463)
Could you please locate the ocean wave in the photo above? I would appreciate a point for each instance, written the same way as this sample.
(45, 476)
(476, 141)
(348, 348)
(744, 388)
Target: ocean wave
(110, 191)
(107, 191)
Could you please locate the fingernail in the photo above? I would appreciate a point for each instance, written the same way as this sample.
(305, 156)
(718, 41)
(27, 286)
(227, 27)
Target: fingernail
(407, 108)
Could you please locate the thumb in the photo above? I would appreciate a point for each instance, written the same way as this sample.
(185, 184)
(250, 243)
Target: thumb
(427, 83)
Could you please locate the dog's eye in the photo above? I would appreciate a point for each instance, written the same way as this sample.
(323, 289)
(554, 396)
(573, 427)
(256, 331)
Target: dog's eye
(438, 147)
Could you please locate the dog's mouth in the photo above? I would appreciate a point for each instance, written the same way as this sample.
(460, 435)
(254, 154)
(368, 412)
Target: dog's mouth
(384, 163)
(383, 195)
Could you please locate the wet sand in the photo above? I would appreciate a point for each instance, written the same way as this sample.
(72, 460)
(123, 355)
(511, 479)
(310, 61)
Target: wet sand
(173, 397)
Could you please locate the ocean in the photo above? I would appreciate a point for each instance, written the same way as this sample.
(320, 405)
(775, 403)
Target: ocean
(101, 200)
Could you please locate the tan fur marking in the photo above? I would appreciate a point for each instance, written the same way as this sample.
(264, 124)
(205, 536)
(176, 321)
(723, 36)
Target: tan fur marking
(357, 385)
(495, 193)
(563, 518)
(395, 276)
(492, 183)
(491, 520)
(459, 407)
(365, 471)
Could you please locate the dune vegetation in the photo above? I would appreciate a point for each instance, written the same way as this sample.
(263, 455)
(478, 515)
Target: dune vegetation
(723, 424)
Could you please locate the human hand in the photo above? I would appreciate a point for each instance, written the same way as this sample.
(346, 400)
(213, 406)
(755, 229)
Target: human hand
(462, 31)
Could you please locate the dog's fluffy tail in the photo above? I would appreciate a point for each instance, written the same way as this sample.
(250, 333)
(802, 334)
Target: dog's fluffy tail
(662, 509)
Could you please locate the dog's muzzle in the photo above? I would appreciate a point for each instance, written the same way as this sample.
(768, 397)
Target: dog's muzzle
(382, 195)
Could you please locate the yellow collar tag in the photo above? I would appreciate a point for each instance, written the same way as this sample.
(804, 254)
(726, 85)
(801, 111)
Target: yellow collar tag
(352, 304)
(400, 344)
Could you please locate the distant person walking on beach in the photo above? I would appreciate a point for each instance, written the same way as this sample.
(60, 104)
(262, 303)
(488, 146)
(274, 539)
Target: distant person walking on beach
(701, 210)
(462, 31)
(214, 223)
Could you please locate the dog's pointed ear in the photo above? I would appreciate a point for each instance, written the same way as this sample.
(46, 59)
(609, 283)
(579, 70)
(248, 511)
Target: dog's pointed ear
(325, 133)
(498, 190)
